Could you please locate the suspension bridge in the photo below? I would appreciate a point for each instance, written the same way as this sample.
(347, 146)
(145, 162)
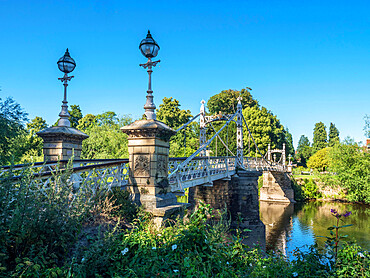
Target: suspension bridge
(183, 172)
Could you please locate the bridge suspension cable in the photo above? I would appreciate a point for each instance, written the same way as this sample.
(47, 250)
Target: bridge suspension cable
(250, 134)
(219, 137)
(185, 125)
(186, 161)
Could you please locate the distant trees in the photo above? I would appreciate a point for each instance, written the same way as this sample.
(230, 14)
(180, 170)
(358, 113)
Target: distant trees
(320, 160)
(186, 141)
(304, 150)
(12, 119)
(105, 137)
(170, 113)
(265, 128)
(75, 115)
(227, 100)
(333, 135)
(264, 125)
(319, 137)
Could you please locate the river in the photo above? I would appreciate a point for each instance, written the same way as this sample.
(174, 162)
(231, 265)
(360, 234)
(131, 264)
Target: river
(289, 226)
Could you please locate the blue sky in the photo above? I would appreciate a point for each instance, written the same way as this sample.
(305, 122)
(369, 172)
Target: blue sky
(306, 61)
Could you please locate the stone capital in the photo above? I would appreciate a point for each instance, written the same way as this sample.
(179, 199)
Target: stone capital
(149, 129)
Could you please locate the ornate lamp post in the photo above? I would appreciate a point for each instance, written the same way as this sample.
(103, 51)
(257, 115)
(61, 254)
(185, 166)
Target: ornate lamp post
(62, 142)
(66, 64)
(149, 48)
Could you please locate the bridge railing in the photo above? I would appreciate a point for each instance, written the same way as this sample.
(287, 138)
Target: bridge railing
(110, 172)
(260, 164)
(199, 170)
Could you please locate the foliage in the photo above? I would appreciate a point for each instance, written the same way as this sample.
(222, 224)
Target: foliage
(38, 223)
(352, 166)
(227, 100)
(289, 148)
(105, 137)
(319, 137)
(299, 194)
(310, 189)
(170, 113)
(265, 128)
(185, 248)
(312, 263)
(304, 150)
(75, 115)
(352, 261)
(12, 118)
(333, 240)
(86, 122)
(333, 135)
(367, 126)
(320, 160)
(186, 141)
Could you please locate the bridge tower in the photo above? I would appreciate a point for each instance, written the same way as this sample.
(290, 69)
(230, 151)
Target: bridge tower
(239, 134)
(203, 128)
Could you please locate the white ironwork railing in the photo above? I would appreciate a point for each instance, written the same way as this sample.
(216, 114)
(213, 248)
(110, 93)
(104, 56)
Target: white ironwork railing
(107, 172)
(182, 173)
(199, 170)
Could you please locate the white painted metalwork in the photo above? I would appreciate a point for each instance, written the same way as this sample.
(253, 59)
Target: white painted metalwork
(239, 134)
(92, 173)
(199, 171)
(202, 127)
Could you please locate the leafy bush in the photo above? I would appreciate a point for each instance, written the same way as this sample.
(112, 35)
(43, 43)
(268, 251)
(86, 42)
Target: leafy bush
(39, 223)
(352, 166)
(352, 261)
(310, 189)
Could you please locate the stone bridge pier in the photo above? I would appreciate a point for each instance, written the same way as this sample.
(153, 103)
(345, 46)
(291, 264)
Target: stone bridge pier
(277, 187)
(239, 195)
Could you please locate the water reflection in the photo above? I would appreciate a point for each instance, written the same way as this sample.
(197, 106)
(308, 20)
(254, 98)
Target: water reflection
(294, 225)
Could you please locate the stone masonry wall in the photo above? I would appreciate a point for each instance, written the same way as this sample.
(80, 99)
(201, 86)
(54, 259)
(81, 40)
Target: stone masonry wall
(240, 196)
(276, 187)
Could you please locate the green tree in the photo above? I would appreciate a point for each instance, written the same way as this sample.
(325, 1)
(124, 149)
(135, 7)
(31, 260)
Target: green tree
(320, 160)
(37, 124)
(367, 126)
(304, 150)
(186, 141)
(75, 115)
(352, 166)
(289, 148)
(108, 118)
(319, 137)
(265, 128)
(170, 113)
(105, 137)
(86, 122)
(333, 135)
(227, 100)
(12, 118)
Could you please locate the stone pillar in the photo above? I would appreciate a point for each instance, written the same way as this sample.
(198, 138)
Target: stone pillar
(62, 142)
(240, 196)
(276, 187)
(148, 146)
